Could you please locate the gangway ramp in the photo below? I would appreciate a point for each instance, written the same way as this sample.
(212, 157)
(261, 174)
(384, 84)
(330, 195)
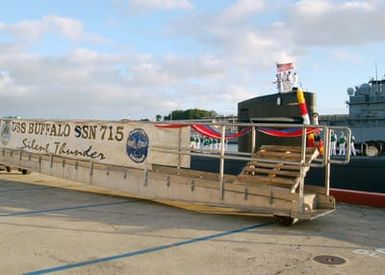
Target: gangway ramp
(153, 163)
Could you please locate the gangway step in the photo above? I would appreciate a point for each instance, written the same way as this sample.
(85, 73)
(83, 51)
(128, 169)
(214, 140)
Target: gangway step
(270, 172)
(288, 153)
(273, 165)
(285, 148)
(278, 166)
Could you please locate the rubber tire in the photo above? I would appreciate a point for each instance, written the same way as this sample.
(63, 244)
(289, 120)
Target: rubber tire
(285, 220)
(371, 150)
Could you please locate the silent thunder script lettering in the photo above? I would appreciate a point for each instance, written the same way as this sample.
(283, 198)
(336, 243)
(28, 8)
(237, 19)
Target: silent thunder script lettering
(61, 148)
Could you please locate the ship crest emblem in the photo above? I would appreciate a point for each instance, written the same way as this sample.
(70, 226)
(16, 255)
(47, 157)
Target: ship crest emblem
(5, 132)
(137, 145)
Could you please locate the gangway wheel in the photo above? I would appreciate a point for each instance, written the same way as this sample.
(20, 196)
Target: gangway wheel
(285, 220)
(24, 171)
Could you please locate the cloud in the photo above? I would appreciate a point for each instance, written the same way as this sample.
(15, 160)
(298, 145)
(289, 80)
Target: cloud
(144, 6)
(205, 66)
(8, 87)
(335, 23)
(86, 84)
(316, 23)
(230, 38)
(242, 9)
(345, 56)
(237, 93)
(34, 30)
(224, 56)
(91, 84)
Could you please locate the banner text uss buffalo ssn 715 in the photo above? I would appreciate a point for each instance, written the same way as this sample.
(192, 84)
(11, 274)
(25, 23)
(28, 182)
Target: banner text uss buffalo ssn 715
(113, 142)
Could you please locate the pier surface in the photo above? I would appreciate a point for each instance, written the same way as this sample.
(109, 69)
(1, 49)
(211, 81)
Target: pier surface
(82, 229)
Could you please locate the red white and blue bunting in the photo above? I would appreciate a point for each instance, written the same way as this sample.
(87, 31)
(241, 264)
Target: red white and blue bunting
(208, 131)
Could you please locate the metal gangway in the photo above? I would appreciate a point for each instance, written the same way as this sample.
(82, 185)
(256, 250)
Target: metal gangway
(272, 182)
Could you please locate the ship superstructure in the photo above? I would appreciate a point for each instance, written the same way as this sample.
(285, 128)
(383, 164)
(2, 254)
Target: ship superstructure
(368, 100)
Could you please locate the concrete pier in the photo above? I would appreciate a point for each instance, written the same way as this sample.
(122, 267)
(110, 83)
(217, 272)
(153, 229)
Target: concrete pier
(82, 229)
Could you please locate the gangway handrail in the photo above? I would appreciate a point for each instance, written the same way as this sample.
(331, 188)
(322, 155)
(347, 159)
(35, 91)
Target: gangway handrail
(221, 154)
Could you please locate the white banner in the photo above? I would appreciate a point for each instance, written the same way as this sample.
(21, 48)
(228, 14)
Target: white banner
(110, 142)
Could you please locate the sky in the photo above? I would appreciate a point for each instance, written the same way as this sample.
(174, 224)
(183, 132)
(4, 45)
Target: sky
(135, 59)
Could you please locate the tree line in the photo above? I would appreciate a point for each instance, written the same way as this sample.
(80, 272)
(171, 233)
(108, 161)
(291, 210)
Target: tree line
(187, 114)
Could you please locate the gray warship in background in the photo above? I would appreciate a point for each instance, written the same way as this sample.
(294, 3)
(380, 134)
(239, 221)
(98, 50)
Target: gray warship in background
(366, 117)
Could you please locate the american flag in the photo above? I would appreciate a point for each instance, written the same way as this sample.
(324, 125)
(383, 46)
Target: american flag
(282, 67)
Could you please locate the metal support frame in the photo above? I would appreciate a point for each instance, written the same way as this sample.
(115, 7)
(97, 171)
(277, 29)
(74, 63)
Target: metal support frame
(222, 163)
(302, 165)
(179, 149)
(253, 137)
(327, 161)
